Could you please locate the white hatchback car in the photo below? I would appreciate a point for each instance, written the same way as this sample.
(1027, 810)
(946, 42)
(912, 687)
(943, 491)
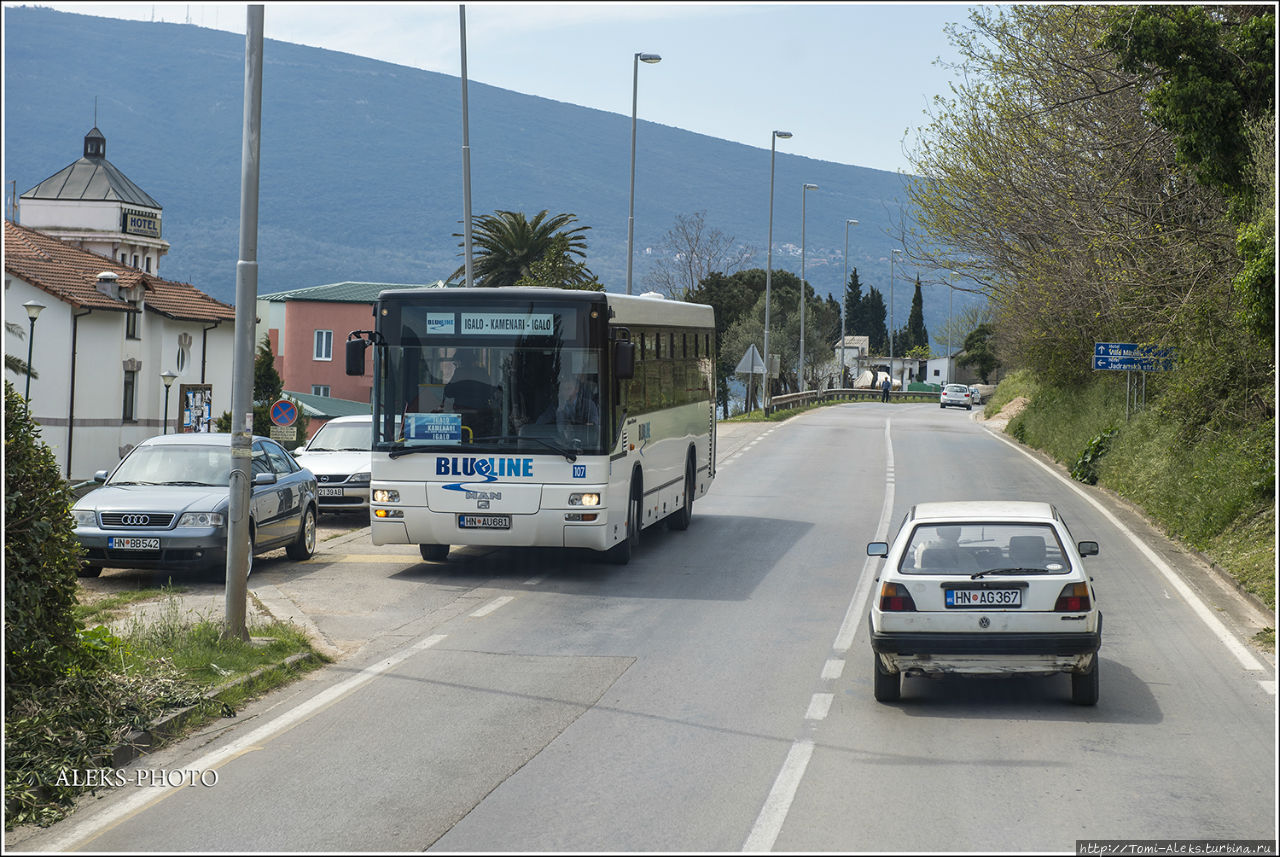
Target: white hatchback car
(985, 587)
(958, 395)
(338, 454)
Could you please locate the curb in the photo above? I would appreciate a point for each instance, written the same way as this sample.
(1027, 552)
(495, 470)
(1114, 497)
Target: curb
(139, 742)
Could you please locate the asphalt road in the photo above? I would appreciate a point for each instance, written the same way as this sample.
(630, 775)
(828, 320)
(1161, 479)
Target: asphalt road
(715, 694)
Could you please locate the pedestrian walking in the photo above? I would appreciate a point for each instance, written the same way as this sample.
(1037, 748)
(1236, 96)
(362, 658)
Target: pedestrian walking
(885, 386)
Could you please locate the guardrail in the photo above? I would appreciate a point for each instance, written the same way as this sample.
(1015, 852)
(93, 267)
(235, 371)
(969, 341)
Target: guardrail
(809, 397)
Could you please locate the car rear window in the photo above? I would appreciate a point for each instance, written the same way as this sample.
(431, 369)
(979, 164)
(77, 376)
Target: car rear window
(968, 548)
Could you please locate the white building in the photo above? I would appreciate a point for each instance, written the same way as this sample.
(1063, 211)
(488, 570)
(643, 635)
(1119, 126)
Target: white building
(90, 204)
(101, 344)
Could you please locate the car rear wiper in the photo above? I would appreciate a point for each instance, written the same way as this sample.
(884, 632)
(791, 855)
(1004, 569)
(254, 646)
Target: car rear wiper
(1011, 570)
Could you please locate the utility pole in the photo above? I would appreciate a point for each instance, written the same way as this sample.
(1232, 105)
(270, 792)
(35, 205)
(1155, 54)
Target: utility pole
(238, 546)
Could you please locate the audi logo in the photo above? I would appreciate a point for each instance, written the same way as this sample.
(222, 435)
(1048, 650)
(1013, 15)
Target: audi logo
(135, 520)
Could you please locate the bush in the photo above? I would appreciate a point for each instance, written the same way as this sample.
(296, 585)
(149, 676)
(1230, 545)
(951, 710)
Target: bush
(41, 557)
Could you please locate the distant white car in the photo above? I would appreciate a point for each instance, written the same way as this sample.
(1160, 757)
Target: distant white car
(985, 587)
(975, 396)
(339, 456)
(958, 395)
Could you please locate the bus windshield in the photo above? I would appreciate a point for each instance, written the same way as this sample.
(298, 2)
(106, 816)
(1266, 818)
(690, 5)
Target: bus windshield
(505, 378)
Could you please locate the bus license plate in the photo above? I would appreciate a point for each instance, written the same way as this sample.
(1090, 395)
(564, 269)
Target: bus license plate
(984, 597)
(484, 522)
(131, 543)
(329, 492)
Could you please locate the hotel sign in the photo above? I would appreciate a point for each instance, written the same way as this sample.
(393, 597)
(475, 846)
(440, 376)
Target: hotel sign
(141, 223)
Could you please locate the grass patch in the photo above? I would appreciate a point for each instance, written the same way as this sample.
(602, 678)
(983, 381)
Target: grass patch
(108, 607)
(158, 666)
(1214, 493)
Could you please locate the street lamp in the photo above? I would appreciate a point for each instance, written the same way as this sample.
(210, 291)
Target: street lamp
(631, 210)
(803, 197)
(33, 309)
(892, 257)
(768, 270)
(844, 298)
(167, 376)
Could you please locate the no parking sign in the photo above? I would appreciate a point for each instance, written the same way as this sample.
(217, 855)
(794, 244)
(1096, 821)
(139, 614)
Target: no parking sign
(284, 412)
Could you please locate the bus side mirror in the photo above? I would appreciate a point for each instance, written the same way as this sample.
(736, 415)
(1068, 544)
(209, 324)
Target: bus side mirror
(624, 360)
(355, 356)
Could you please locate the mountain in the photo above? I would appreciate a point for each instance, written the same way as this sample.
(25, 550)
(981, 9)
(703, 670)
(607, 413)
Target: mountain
(361, 164)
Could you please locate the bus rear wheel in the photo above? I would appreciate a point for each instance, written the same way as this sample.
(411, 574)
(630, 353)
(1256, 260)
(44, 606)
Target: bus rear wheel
(680, 520)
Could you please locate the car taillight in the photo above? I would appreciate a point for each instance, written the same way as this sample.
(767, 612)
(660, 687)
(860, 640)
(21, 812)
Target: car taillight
(1074, 598)
(894, 598)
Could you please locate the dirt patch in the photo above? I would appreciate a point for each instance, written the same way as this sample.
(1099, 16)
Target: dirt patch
(1011, 409)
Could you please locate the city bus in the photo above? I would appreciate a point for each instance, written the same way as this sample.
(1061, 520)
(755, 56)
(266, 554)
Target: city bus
(534, 417)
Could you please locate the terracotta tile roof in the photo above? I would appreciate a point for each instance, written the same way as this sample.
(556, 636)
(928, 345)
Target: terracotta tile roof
(71, 275)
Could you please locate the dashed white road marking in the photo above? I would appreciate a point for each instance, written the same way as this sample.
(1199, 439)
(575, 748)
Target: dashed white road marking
(819, 706)
(492, 605)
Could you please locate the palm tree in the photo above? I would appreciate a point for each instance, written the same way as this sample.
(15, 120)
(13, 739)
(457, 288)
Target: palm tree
(507, 245)
(16, 364)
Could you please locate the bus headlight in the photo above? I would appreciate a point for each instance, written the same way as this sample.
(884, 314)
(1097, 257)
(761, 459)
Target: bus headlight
(386, 495)
(584, 499)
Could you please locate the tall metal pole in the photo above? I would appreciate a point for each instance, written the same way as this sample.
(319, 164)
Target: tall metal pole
(31, 341)
(631, 205)
(892, 257)
(466, 153)
(844, 298)
(768, 270)
(951, 304)
(237, 584)
(803, 196)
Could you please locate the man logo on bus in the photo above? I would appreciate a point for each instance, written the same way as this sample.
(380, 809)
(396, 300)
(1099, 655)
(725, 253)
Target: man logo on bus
(484, 469)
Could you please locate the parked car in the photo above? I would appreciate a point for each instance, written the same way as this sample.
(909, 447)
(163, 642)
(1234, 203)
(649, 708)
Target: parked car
(338, 454)
(975, 396)
(958, 395)
(164, 506)
(985, 587)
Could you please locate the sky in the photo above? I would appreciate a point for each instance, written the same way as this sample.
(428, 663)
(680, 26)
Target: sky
(849, 80)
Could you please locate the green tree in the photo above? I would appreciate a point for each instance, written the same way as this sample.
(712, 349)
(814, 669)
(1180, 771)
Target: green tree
(979, 353)
(870, 322)
(557, 269)
(17, 365)
(917, 335)
(267, 388)
(506, 245)
(41, 557)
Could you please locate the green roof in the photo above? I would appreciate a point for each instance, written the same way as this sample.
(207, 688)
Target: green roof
(327, 407)
(356, 293)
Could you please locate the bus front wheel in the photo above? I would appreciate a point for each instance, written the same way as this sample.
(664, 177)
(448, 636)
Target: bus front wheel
(434, 553)
(620, 554)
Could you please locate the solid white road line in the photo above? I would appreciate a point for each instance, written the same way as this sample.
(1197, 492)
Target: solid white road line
(254, 740)
(1238, 649)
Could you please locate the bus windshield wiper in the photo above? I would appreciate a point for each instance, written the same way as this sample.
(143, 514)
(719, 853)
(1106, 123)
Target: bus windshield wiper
(569, 455)
(1011, 570)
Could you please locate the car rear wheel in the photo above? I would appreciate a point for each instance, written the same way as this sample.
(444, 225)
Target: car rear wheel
(304, 546)
(1084, 686)
(888, 686)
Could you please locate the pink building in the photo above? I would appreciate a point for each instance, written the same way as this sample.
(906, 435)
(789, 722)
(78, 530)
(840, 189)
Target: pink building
(307, 328)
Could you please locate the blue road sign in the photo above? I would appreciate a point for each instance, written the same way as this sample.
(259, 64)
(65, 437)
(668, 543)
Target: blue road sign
(284, 412)
(1130, 357)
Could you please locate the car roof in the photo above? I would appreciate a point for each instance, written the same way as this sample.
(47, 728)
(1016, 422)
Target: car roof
(354, 418)
(979, 510)
(194, 438)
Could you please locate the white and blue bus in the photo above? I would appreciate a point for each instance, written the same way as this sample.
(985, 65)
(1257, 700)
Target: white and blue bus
(536, 417)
